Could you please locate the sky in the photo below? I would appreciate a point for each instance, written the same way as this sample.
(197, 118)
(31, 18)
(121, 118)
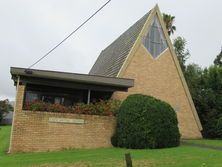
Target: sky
(30, 28)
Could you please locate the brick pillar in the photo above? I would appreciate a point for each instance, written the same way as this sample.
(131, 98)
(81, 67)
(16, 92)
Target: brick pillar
(20, 92)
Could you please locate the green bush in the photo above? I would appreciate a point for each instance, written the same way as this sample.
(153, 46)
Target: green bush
(5, 107)
(146, 122)
(103, 107)
(205, 86)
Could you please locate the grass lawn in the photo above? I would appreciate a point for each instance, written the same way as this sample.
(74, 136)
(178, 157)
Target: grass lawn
(183, 156)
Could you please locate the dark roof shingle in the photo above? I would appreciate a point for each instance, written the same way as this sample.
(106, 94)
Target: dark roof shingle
(112, 58)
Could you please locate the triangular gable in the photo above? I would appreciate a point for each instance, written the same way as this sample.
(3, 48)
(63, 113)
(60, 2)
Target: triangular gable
(155, 12)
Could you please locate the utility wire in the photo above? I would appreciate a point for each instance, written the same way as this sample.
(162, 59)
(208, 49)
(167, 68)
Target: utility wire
(69, 35)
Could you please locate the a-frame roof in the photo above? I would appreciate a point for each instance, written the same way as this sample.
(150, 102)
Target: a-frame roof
(114, 60)
(111, 59)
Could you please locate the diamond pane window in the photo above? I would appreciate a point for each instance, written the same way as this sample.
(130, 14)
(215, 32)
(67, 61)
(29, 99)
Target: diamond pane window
(155, 41)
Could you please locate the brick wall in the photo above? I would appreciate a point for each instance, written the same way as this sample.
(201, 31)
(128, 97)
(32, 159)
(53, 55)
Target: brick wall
(32, 131)
(159, 78)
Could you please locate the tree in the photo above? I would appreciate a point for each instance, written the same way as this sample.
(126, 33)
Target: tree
(218, 59)
(205, 85)
(4, 107)
(212, 109)
(169, 21)
(193, 75)
(179, 43)
(206, 89)
(182, 53)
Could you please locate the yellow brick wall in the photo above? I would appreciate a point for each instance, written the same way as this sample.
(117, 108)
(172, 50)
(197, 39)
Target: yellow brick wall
(159, 78)
(32, 131)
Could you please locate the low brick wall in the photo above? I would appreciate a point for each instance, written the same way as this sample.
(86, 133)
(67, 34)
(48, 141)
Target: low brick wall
(34, 131)
(44, 131)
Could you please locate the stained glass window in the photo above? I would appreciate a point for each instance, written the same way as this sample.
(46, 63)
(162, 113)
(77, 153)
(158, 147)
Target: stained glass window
(155, 41)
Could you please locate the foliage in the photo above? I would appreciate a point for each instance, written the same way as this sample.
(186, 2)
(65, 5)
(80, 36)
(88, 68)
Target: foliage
(182, 53)
(205, 85)
(103, 107)
(219, 127)
(58, 108)
(193, 75)
(218, 59)
(146, 122)
(169, 21)
(206, 89)
(5, 107)
(36, 106)
(179, 43)
(108, 107)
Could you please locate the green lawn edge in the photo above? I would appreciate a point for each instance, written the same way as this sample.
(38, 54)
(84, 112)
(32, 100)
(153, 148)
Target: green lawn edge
(208, 142)
(182, 156)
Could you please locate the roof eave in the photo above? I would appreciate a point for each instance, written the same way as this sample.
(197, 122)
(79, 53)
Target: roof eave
(71, 77)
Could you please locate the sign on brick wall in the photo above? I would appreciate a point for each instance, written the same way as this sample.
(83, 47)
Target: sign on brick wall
(66, 120)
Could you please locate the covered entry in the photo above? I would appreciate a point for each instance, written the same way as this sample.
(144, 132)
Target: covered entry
(67, 88)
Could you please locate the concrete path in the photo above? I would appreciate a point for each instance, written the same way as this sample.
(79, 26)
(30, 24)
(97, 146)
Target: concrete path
(202, 146)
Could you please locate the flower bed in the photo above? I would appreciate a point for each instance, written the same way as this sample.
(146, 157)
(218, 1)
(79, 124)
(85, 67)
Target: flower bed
(103, 107)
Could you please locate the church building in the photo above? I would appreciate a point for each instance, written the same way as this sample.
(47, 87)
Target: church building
(141, 60)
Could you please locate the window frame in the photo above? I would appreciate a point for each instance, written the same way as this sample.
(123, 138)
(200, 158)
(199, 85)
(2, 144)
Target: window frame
(151, 44)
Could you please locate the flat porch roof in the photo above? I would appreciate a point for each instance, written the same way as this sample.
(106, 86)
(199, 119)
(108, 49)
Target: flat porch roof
(70, 80)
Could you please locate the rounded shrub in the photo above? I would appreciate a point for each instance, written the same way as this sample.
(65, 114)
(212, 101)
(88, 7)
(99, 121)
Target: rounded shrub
(146, 122)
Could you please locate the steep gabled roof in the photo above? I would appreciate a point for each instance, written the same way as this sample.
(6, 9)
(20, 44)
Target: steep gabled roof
(112, 58)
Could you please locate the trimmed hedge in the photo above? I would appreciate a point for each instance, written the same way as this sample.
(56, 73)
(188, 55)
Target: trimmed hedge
(146, 122)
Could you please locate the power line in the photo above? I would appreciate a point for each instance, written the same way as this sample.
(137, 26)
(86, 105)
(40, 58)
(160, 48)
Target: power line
(69, 35)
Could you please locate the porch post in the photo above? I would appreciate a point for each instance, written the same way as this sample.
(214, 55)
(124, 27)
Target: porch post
(88, 99)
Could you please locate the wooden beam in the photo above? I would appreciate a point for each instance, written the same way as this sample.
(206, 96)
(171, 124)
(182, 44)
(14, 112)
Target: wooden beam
(128, 160)
(74, 85)
(88, 97)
